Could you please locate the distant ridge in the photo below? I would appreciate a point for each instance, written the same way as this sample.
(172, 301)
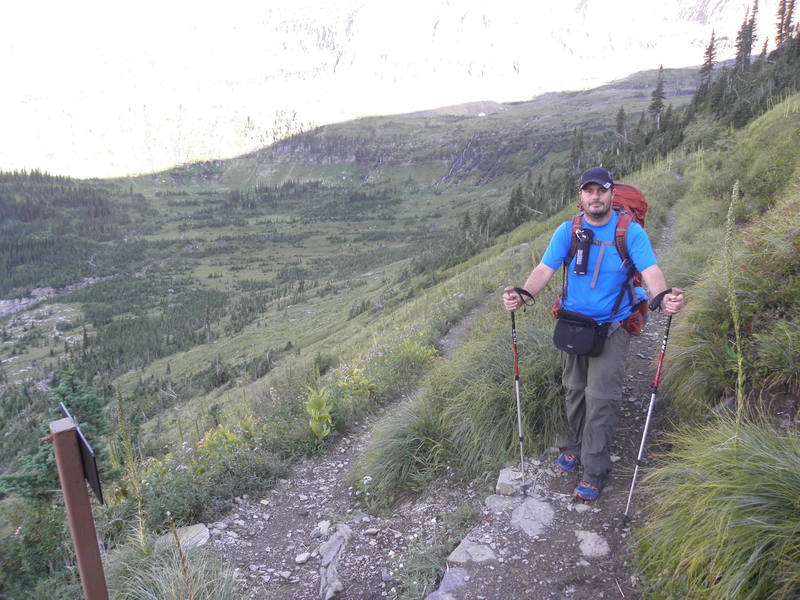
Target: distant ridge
(469, 109)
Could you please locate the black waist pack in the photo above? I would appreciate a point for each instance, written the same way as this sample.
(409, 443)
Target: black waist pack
(578, 334)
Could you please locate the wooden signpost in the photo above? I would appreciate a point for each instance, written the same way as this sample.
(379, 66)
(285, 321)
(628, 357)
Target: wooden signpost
(76, 466)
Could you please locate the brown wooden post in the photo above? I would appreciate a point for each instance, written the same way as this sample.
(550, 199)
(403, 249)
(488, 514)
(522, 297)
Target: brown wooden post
(64, 436)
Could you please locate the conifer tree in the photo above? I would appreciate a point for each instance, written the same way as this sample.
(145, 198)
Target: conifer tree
(577, 150)
(780, 27)
(763, 54)
(466, 225)
(745, 40)
(784, 24)
(621, 118)
(709, 59)
(514, 214)
(657, 104)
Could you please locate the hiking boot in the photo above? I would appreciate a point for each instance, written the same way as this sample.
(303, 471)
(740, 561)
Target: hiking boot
(586, 491)
(567, 463)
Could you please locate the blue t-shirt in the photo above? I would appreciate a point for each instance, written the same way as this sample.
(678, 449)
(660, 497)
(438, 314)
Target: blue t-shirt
(597, 302)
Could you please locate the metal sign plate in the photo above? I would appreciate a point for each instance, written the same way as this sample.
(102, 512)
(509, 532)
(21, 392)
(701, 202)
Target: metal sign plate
(90, 472)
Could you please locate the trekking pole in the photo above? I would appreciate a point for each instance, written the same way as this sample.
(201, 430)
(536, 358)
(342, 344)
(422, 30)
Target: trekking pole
(656, 380)
(522, 292)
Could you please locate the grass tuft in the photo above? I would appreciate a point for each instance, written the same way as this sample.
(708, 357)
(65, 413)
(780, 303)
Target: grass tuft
(725, 523)
(161, 571)
(464, 417)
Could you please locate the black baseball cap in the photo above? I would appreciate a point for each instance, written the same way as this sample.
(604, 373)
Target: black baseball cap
(597, 175)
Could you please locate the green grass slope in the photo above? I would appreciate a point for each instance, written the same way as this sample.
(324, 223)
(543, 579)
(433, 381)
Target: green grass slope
(701, 368)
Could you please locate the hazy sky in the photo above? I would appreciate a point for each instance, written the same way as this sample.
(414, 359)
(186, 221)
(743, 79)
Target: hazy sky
(97, 88)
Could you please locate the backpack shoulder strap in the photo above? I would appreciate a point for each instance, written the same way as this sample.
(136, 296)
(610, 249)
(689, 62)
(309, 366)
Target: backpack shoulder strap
(621, 243)
(621, 236)
(577, 222)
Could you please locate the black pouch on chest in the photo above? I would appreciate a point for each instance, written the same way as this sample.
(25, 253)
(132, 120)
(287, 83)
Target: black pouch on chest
(578, 334)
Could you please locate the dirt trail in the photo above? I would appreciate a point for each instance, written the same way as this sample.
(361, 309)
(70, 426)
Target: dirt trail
(579, 551)
(265, 537)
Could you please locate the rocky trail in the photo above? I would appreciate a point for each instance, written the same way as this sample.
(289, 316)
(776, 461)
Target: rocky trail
(545, 545)
(310, 538)
(311, 520)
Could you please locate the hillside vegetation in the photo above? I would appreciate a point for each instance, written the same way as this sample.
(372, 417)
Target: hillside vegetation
(235, 315)
(207, 277)
(196, 308)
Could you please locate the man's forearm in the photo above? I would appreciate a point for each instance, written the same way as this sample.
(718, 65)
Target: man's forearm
(538, 278)
(654, 280)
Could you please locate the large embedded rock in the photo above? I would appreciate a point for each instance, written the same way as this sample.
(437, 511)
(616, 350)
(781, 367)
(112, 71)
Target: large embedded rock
(329, 553)
(189, 537)
(509, 482)
(499, 504)
(469, 552)
(532, 516)
(592, 544)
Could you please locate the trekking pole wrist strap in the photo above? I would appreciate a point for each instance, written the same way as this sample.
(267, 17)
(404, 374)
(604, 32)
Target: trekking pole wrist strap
(522, 292)
(655, 303)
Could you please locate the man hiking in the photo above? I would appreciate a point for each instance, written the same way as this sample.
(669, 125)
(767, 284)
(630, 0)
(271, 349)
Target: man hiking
(598, 285)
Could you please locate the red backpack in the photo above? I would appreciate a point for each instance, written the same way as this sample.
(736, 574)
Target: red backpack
(631, 206)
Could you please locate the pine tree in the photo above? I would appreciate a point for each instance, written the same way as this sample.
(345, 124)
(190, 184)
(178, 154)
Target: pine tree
(780, 27)
(577, 150)
(762, 57)
(667, 119)
(657, 104)
(514, 214)
(709, 59)
(787, 20)
(745, 39)
(484, 218)
(621, 125)
(466, 226)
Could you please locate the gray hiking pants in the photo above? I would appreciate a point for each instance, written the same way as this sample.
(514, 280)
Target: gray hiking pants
(593, 396)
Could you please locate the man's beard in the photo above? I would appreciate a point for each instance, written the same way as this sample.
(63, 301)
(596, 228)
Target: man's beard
(602, 208)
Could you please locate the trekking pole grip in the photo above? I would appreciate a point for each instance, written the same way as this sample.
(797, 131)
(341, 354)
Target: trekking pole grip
(522, 293)
(655, 303)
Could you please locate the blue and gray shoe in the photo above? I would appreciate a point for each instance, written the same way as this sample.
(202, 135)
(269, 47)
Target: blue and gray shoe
(586, 491)
(567, 463)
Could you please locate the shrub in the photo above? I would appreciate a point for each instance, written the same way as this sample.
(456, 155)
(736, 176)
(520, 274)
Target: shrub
(197, 483)
(405, 452)
(478, 402)
(354, 393)
(398, 369)
(724, 522)
(35, 545)
(318, 407)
